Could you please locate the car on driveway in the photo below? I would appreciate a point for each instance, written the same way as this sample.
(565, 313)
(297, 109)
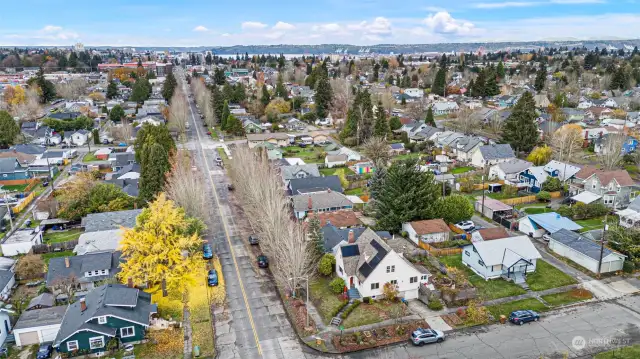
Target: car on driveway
(263, 262)
(45, 351)
(520, 317)
(466, 225)
(253, 239)
(212, 278)
(422, 336)
(207, 253)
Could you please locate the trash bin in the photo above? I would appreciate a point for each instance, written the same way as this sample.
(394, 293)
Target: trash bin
(196, 351)
(503, 319)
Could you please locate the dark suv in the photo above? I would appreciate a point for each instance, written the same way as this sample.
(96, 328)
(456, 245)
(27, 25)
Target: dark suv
(253, 239)
(523, 316)
(263, 262)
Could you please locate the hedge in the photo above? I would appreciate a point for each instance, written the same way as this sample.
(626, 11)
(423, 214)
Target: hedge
(348, 311)
(338, 309)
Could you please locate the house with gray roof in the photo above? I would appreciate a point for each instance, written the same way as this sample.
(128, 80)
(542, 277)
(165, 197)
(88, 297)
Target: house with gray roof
(298, 171)
(94, 222)
(465, 146)
(366, 263)
(509, 171)
(585, 252)
(326, 201)
(38, 326)
(111, 311)
(427, 133)
(87, 269)
(314, 184)
(489, 155)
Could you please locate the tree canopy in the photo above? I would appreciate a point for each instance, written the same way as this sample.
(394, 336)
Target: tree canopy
(454, 208)
(158, 134)
(116, 114)
(9, 130)
(520, 129)
(153, 168)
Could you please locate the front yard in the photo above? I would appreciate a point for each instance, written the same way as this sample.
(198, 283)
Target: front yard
(309, 154)
(570, 297)
(506, 308)
(375, 312)
(90, 157)
(547, 276)
(459, 170)
(487, 289)
(325, 301)
(62, 236)
(630, 352)
(337, 171)
(591, 224)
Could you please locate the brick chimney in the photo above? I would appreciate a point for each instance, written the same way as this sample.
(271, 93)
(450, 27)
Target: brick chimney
(83, 305)
(352, 236)
(66, 262)
(310, 205)
(130, 282)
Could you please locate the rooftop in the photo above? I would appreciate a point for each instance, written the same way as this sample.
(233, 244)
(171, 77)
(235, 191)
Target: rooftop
(41, 317)
(110, 220)
(429, 226)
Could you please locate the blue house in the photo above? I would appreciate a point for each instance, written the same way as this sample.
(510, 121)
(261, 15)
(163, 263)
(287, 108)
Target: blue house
(11, 172)
(629, 145)
(506, 101)
(534, 177)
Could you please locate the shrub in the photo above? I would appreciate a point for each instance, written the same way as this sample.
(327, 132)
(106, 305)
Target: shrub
(404, 234)
(543, 196)
(327, 264)
(435, 304)
(337, 285)
(350, 309)
(565, 211)
(338, 309)
(552, 184)
(390, 291)
(628, 267)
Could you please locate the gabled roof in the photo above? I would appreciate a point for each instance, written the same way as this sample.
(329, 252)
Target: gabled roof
(40, 317)
(497, 152)
(319, 200)
(110, 220)
(107, 300)
(489, 234)
(621, 176)
(315, 184)
(513, 166)
(43, 300)
(554, 165)
(581, 244)
(506, 251)
(9, 165)
(339, 219)
(430, 226)
(289, 172)
(552, 222)
(78, 265)
(28, 149)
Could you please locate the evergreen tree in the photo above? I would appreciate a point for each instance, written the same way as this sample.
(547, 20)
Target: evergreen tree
(500, 71)
(309, 69)
(62, 62)
(234, 126)
(154, 166)
(470, 88)
(9, 129)
(266, 98)
(350, 128)
(153, 134)
(323, 96)
(479, 88)
(73, 59)
(141, 91)
(314, 233)
(225, 115)
(394, 123)
(403, 194)
(219, 77)
(541, 78)
(281, 91)
(217, 102)
(381, 126)
(491, 88)
(363, 110)
(439, 83)
(169, 86)
(376, 72)
(239, 94)
(47, 89)
(520, 129)
(619, 80)
(227, 92)
(112, 90)
(429, 120)
(116, 114)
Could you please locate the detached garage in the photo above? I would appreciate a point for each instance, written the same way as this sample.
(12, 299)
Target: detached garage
(585, 252)
(38, 326)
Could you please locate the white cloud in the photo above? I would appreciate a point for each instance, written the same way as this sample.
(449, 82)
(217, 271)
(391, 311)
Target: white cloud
(253, 25)
(443, 23)
(578, 1)
(331, 27)
(379, 26)
(200, 28)
(434, 8)
(51, 28)
(500, 5)
(280, 25)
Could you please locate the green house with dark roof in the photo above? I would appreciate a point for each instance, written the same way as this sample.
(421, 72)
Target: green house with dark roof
(109, 312)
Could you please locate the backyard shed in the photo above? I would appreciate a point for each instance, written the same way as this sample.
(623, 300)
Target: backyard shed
(585, 252)
(492, 206)
(39, 325)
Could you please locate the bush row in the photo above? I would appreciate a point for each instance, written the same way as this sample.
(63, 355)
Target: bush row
(348, 311)
(338, 309)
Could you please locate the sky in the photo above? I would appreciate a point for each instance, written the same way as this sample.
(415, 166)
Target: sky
(356, 22)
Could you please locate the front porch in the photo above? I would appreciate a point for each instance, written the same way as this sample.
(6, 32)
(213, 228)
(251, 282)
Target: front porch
(517, 272)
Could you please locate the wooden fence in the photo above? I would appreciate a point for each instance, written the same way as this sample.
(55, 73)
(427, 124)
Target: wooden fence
(439, 252)
(478, 187)
(32, 183)
(17, 209)
(54, 247)
(527, 199)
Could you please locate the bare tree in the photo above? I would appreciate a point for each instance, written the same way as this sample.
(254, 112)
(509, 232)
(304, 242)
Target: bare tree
(72, 89)
(185, 186)
(611, 150)
(178, 112)
(30, 109)
(495, 123)
(465, 122)
(30, 266)
(67, 286)
(416, 110)
(377, 149)
(566, 141)
(269, 212)
(299, 76)
(122, 132)
(342, 97)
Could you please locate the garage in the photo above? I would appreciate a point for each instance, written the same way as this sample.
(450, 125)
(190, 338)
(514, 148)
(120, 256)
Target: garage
(38, 325)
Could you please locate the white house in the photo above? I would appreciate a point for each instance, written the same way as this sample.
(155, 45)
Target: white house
(331, 161)
(508, 171)
(536, 225)
(5, 327)
(414, 92)
(585, 252)
(7, 280)
(511, 258)
(489, 155)
(630, 216)
(427, 231)
(80, 137)
(367, 264)
(39, 325)
(445, 108)
(21, 241)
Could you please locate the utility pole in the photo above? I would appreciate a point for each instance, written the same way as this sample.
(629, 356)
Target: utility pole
(6, 202)
(483, 195)
(604, 233)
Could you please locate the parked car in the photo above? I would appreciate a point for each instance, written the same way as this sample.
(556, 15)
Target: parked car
(218, 161)
(207, 253)
(263, 262)
(523, 316)
(546, 237)
(45, 351)
(466, 225)
(208, 133)
(212, 278)
(45, 183)
(253, 239)
(425, 336)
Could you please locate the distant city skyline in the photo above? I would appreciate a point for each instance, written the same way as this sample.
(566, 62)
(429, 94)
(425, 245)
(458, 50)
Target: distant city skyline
(357, 22)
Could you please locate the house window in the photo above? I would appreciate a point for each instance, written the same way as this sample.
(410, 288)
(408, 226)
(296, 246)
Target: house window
(593, 185)
(102, 320)
(394, 282)
(127, 332)
(480, 262)
(375, 286)
(413, 280)
(96, 343)
(391, 269)
(341, 271)
(72, 345)
(424, 277)
(466, 253)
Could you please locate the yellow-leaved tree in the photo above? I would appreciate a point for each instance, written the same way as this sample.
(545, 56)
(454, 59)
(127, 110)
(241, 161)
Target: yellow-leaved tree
(158, 249)
(540, 155)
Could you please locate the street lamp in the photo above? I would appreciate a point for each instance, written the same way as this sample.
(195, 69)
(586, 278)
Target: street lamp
(306, 278)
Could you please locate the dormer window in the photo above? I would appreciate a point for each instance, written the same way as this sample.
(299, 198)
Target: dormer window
(102, 320)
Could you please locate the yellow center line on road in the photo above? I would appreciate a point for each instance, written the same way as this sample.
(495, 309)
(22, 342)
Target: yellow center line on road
(226, 232)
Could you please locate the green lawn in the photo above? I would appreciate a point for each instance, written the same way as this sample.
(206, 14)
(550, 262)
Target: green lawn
(537, 210)
(371, 313)
(572, 296)
(506, 308)
(328, 171)
(89, 157)
(547, 276)
(501, 195)
(62, 236)
(309, 154)
(590, 224)
(323, 298)
(15, 187)
(487, 289)
(47, 256)
(631, 352)
(459, 170)
(407, 156)
(355, 192)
